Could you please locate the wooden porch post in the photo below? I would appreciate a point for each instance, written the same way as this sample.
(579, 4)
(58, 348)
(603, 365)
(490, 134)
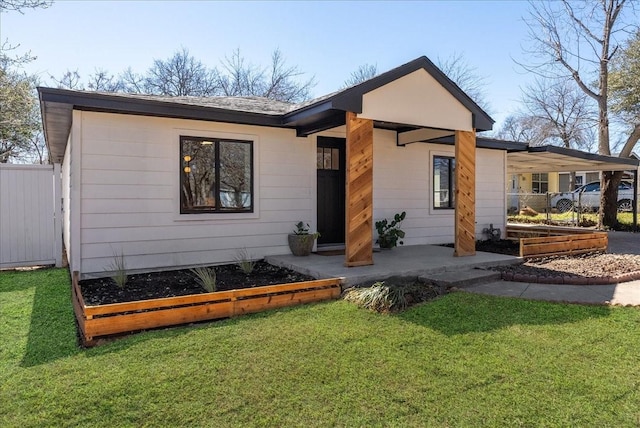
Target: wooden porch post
(359, 191)
(465, 176)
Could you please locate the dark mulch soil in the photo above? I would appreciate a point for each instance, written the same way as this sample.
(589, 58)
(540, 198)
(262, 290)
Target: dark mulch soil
(502, 246)
(155, 285)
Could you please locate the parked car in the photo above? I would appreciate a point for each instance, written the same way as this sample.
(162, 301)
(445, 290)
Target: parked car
(587, 197)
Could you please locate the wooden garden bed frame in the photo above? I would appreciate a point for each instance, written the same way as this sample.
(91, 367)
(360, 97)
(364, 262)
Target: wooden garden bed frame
(97, 322)
(540, 241)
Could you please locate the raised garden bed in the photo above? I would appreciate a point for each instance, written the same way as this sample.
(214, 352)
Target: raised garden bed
(97, 321)
(543, 241)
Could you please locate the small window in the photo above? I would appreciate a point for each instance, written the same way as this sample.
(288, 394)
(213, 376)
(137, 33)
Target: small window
(443, 182)
(216, 175)
(540, 183)
(328, 158)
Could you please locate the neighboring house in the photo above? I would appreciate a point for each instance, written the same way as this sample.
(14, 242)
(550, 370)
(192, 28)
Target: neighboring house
(184, 181)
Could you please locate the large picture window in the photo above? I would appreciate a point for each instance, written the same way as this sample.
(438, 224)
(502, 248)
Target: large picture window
(216, 175)
(443, 182)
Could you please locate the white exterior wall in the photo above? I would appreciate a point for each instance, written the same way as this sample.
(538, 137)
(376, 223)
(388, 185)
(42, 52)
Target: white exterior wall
(66, 208)
(127, 196)
(130, 194)
(403, 181)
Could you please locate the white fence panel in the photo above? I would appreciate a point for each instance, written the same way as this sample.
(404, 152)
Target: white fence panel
(30, 215)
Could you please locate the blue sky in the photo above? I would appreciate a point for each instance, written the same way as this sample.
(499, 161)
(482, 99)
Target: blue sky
(328, 40)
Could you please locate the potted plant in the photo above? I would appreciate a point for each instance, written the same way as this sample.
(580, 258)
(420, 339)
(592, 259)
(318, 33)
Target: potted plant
(301, 241)
(389, 232)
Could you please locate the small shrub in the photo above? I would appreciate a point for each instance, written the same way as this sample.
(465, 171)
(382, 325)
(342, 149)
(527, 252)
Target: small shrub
(394, 295)
(206, 277)
(118, 267)
(380, 297)
(244, 261)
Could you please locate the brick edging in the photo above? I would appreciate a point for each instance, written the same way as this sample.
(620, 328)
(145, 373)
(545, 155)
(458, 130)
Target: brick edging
(572, 280)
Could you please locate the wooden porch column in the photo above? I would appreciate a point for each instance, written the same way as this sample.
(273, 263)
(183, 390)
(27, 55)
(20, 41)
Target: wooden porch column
(359, 192)
(465, 176)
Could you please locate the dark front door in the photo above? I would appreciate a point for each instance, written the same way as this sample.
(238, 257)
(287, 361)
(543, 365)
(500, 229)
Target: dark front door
(331, 190)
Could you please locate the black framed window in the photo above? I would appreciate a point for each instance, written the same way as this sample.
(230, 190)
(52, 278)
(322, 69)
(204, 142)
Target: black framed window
(216, 175)
(443, 182)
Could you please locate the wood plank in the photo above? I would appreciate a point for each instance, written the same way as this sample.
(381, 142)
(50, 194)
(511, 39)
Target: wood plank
(207, 311)
(217, 296)
(563, 245)
(465, 207)
(359, 191)
(162, 318)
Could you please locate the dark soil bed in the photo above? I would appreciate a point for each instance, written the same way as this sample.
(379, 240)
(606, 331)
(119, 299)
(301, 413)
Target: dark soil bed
(501, 246)
(156, 285)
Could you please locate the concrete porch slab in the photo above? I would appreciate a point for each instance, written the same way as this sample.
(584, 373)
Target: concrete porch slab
(414, 260)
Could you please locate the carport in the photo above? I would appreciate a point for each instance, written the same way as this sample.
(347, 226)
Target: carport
(545, 159)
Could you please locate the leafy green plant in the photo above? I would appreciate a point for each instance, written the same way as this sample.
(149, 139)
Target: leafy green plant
(118, 267)
(244, 261)
(303, 229)
(206, 277)
(389, 232)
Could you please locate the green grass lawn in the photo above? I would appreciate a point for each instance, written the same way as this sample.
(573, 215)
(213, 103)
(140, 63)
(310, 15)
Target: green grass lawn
(462, 360)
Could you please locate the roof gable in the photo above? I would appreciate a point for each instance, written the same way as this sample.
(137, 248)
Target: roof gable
(416, 99)
(351, 99)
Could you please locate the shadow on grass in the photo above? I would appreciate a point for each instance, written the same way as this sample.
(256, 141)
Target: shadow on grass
(461, 313)
(52, 332)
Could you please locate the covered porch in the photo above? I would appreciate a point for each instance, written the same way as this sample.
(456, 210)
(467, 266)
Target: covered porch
(419, 104)
(411, 261)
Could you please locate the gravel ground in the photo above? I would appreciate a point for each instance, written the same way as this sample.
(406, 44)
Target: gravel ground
(595, 265)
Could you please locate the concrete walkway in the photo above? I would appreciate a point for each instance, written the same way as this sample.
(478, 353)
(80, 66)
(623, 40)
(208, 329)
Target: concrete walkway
(627, 293)
(415, 260)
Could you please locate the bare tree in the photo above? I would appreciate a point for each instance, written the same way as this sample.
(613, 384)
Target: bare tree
(523, 128)
(563, 111)
(364, 72)
(20, 5)
(181, 75)
(579, 40)
(466, 77)
(278, 81)
(132, 82)
(69, 80)
(101, 80)
(281, 82)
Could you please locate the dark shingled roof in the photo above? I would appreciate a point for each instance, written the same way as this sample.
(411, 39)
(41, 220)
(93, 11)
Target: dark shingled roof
(259, 105)
(306, 118)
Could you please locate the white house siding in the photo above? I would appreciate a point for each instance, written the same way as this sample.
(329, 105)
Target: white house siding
(130, 194)
(66, 208)
(402, 181)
